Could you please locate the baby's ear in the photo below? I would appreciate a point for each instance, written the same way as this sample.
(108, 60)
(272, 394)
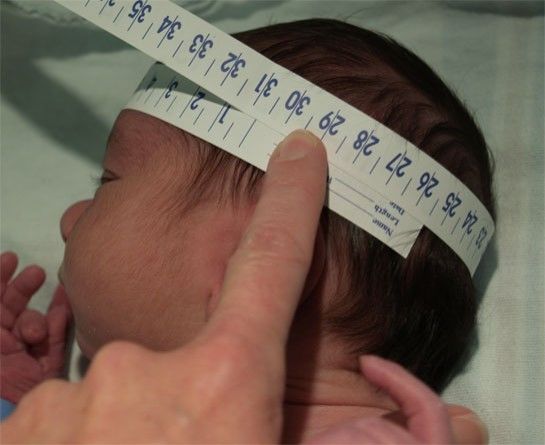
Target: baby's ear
(317, 267)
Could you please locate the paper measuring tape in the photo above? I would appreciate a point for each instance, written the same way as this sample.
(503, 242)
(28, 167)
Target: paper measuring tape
(217, 88)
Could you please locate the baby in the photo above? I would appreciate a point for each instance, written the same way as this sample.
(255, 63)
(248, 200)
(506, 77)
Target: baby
(145, 257)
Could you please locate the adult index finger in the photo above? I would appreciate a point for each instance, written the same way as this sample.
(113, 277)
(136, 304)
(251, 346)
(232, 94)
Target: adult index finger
(266, 275)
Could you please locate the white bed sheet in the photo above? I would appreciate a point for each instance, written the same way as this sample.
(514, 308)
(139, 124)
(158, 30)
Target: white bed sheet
(64, 82)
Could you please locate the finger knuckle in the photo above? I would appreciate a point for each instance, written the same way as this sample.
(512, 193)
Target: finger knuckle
(114, 359)
(272, 243)
(42, 398)
(225, 365)
(237, 360)
(48, 389)
(118, 350)
(235, 351)
(294, 184)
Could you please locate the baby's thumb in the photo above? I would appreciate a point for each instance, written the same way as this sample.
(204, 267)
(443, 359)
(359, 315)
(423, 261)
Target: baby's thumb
(60, 298)
(59, 316)
(58, 322)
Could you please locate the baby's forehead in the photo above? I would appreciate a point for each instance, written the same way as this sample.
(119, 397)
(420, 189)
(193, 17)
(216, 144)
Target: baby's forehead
(137, 126)
(139, 135)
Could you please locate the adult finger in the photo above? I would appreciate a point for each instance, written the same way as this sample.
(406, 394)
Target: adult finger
(31, 327)
(266, 275)
(21, 288)
(8, 265)
(467, 428)
(427, 417)
(364, 431)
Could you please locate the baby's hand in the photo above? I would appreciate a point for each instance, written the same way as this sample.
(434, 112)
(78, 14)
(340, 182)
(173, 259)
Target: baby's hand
(32, 345)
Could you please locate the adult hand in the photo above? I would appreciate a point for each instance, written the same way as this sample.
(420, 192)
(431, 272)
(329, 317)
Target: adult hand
(227, 385)
(422, 418)
(32, 345)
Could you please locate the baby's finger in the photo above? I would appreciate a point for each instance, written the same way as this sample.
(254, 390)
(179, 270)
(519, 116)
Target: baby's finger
(58, 319)
(9, 343)
(21, 288)
(266, 275)
(59, 298)
(7, 320)
(31, 327)
(8, 265)
(59, 316)
(426, 414)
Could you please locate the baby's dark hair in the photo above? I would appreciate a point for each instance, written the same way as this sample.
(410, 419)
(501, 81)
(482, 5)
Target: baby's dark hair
(419, 311)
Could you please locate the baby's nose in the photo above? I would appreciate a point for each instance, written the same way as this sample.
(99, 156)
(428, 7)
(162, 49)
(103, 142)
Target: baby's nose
(71, 216)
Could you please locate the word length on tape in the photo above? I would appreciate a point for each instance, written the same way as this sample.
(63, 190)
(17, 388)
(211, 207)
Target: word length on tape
(217, 88)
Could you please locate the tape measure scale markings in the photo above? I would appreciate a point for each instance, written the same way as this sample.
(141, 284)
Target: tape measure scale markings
(191, 107)
(217, 88)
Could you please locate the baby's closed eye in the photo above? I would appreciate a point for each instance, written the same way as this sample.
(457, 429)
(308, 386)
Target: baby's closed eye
(103, 178)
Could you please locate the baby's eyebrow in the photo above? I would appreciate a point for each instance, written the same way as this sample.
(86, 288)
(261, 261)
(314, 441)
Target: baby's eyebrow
(126, 145)
(113, 137)
(135, 138)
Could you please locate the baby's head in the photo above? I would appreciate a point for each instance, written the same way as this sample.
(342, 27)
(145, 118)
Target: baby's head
(145, 257)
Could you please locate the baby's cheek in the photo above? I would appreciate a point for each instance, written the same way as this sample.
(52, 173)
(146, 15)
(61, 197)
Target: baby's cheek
(132, 274)
(91, 268)
(80, 289)
(111, 274)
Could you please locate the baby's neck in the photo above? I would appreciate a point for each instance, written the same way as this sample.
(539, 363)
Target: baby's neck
(324, 383)
(329, 398)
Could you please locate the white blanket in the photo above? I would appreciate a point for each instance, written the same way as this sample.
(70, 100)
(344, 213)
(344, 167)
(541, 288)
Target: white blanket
(64, 81)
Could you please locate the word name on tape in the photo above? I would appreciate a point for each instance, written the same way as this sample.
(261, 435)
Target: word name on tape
(219, 89)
